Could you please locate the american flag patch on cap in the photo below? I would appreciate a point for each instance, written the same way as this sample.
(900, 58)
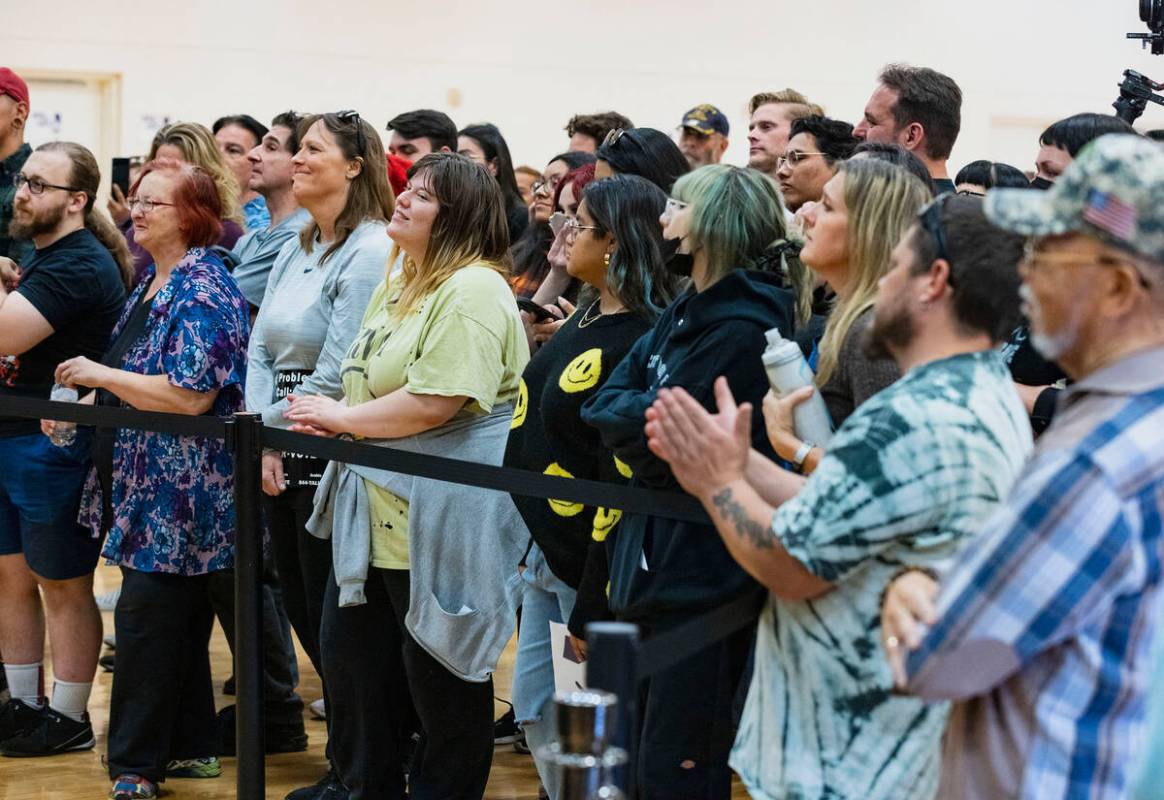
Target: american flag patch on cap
(1110, 214)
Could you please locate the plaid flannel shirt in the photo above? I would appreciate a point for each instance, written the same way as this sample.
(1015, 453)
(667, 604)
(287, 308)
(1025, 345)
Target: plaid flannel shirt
(1046, 625)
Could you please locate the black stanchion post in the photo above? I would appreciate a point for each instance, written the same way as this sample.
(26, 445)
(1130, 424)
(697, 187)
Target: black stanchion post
(244, 435)
(612, 654)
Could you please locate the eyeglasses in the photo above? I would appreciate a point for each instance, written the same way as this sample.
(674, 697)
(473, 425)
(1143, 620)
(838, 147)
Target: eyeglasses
(1033, 260)
(968, 193)
(674, 206)
(354, 117)
(36, 185)
(573, 226)
(794, 157)
(545, 184)
(931, 222)
(145, 204)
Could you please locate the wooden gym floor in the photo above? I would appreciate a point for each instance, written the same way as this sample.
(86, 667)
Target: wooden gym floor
(81, 775)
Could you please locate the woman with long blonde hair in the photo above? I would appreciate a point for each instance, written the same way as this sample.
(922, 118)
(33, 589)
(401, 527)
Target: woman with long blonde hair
(863, 213)
(189, 143)
(423, 570)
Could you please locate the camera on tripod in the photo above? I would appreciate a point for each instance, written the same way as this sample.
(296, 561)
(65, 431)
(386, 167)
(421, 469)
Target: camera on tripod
(1138, 90)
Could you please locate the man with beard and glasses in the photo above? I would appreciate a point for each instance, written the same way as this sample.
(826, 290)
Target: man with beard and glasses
(1044, 628)
(905, 482)
(14, 151)
(62, 303)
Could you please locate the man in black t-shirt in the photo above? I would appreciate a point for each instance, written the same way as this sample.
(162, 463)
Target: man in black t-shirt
(60, 303)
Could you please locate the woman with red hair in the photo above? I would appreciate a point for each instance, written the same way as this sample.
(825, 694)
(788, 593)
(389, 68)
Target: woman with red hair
(165, 500)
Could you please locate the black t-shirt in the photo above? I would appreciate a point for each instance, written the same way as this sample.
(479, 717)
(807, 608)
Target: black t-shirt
(75, 285)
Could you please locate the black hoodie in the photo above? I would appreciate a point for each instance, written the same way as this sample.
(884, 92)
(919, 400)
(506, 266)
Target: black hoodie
(719, 331)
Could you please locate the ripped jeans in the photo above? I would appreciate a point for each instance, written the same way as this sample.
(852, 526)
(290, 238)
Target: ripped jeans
(545, 599)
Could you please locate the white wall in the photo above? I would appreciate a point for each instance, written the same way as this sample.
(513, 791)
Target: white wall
(527, 65)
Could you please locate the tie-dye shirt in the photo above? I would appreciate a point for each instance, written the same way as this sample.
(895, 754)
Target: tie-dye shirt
(907, 480)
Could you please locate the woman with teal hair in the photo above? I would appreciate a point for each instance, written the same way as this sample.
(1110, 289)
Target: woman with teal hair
(664, 573)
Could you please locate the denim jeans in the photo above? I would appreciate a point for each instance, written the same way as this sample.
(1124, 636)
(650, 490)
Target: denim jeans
(545, 599)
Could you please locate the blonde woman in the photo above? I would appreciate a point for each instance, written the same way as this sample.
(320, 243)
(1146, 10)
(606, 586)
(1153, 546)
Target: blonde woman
(863, 213)
(425, 573)
(189, 143)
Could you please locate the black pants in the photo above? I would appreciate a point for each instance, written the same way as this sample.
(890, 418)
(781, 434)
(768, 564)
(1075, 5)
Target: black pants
(688, 723)
(304, 564)
(372, 663)
(281, 705)
(162, 706)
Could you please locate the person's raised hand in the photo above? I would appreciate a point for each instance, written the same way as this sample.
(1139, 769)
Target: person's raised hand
(117, 206)
(908, 608)
(705, 451)
(779, 420)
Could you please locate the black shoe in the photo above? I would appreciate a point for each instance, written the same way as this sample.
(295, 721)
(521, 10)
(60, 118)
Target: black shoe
(329, 787)
(107, 662)
(505, 730)
(17, 718)
(54, 734)
(278, 737)
(228, 686)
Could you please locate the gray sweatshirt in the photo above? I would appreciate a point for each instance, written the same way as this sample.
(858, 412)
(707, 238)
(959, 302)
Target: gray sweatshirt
(310, 316)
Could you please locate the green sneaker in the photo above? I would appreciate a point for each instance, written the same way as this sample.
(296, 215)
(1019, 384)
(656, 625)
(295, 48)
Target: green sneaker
(194, 768)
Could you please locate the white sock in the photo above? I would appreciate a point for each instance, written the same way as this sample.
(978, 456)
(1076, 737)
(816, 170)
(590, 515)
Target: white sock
(71, 699)
(25, 682)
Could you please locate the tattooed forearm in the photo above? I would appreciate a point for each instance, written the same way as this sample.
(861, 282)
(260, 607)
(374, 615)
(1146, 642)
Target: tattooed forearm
(761, 536)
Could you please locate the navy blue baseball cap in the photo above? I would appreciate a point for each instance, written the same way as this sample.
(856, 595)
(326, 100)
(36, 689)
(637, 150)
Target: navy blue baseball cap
(706, 119)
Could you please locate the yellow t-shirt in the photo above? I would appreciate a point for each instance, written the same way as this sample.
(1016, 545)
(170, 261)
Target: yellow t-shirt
(465, 338)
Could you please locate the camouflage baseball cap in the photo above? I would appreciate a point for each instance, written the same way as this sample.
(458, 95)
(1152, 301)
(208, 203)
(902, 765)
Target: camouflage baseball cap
(1113, 190)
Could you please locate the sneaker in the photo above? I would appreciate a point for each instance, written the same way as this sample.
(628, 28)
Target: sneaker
(505, 730)
(329, 787)
(278, 737)
(54, 734)
(17, 718)
(108, 601)
(194, 768)
(132, 787)
(318, 709)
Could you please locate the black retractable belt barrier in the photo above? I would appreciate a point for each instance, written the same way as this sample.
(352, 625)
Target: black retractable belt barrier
(617, 661)
(244, 434)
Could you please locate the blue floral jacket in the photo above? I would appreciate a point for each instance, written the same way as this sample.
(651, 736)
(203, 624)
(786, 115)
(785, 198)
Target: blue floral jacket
(173, 507)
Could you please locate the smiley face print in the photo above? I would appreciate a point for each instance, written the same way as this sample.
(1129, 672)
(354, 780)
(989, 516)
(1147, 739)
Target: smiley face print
(563, 508)
(604, 521)
(521, 406)
(582, 373)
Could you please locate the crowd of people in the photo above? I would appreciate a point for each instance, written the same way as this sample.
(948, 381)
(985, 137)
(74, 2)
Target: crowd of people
(960, 581)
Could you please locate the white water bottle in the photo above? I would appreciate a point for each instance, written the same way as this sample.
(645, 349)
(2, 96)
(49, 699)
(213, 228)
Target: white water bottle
(788, 371)
(64, 433)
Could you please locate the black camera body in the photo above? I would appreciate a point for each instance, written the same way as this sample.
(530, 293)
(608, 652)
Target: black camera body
(1138, 90)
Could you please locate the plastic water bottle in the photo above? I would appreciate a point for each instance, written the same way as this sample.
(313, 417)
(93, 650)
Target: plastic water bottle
(65, 433)
(788, 371)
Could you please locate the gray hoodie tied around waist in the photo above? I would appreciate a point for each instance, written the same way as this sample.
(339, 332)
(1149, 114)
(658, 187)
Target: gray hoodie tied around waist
(464, 543)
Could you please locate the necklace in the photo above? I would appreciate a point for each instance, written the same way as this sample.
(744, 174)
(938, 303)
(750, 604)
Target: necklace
(587, 319)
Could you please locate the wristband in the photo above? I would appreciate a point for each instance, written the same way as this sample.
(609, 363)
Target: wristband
(802, 453)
